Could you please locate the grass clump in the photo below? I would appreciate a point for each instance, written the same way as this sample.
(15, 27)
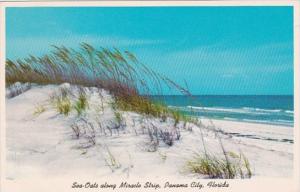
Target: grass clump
(162, 155)
(81, 104)
(61, 101)
(215, 167)
(63, 106)
(39, 109)
(138, 104)
(17, 89)
(143, 105)
(118, 117)
(110, 160)
(247, 166)
(177, 116)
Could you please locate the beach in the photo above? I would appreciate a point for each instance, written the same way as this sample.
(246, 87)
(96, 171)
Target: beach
(44, 145)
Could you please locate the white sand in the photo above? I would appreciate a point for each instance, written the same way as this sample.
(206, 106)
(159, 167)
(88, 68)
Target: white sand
(45, 146)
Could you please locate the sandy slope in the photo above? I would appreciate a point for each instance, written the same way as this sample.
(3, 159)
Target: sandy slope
(44, 145)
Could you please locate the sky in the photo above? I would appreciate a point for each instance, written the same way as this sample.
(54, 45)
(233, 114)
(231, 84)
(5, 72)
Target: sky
(215, 50)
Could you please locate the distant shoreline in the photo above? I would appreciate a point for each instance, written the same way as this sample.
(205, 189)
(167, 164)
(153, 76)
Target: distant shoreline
(251, 122)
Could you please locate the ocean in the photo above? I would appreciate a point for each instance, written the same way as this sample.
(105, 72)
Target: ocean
(269, 109)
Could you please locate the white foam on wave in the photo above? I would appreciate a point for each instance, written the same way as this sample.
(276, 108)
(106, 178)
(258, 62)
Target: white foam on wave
(287, 111)
(231, 119)
(263, 110)
(284, 121)
(230, 110)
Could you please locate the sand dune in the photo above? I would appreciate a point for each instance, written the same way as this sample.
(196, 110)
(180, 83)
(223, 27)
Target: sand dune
(44, 144)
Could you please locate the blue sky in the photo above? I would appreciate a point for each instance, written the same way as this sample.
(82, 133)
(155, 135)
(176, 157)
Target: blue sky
(216, 50)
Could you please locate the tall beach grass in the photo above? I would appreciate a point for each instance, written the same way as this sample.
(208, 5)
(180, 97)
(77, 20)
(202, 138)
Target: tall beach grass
(119, 72)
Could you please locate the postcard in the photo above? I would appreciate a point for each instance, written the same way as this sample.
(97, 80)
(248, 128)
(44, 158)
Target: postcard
(150, 96)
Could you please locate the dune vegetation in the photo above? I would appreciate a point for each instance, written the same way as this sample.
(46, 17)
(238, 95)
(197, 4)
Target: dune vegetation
(127, 79)
(130, 83)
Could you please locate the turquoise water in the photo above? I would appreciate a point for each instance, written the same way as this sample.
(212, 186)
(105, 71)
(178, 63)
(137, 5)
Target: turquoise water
(270, 109)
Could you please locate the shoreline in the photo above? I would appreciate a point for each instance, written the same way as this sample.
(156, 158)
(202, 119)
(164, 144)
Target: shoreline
(257, 131)
(251, 122)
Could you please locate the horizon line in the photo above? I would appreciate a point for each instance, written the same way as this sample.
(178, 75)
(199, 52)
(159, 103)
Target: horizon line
(221, 95)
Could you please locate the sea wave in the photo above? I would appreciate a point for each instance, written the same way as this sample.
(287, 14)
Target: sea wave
(243, 110)
(284, 121)
(219, 109)
(263, 110)
(287, 111)
(230, 119)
